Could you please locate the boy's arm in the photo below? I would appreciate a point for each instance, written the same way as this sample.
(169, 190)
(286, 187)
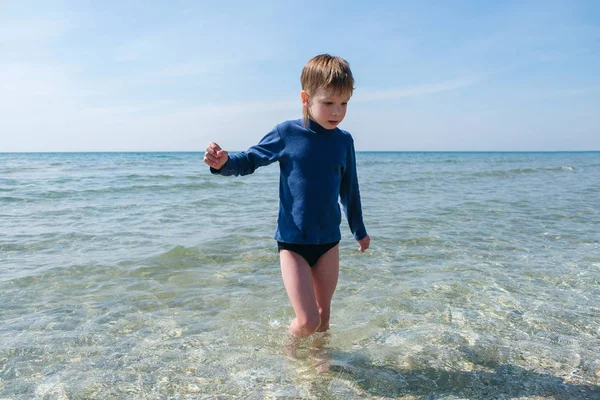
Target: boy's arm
(267, 151)
(350, 196)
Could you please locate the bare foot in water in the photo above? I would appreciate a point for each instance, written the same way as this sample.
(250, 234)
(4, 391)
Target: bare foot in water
(319, 355)
(291, 345)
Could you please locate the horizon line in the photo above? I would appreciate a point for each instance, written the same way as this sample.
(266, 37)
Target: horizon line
(238, 151)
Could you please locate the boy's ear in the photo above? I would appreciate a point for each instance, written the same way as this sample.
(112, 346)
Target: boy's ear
(304, 97)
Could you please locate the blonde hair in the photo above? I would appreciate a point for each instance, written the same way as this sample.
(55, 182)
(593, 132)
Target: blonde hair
(329, 73)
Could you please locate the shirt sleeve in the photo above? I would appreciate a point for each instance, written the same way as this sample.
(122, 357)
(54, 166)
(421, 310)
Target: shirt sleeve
(267, 151)
(350, 196)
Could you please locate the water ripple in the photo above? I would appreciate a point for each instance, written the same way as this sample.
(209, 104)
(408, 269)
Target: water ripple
(143, 276)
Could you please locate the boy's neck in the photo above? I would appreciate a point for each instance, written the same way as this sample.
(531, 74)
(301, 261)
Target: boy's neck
(316, 127)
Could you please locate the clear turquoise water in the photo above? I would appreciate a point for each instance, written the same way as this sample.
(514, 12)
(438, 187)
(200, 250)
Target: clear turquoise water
(141, 276)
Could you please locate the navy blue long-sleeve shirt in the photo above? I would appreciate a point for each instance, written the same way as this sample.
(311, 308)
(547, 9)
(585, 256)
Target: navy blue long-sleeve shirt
(317, 166)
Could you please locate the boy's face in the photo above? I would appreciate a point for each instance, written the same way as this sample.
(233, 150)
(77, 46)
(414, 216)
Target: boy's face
(325, 108)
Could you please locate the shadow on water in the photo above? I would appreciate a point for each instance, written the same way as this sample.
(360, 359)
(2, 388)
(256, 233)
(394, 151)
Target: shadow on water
(491, 380)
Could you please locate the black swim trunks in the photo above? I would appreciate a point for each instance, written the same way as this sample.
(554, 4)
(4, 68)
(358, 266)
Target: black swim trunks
(310, 252)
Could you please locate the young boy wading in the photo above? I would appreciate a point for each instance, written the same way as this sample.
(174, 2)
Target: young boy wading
(317, 167)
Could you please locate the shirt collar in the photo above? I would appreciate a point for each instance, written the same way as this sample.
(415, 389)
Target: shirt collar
(315, 127)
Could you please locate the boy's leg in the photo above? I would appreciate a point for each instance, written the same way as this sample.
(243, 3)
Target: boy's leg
(298, 282)
(325, 276)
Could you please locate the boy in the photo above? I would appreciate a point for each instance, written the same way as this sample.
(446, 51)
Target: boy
(317, 166)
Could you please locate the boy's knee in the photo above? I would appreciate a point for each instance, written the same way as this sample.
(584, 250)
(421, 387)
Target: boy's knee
(324, 314)
(310, 324)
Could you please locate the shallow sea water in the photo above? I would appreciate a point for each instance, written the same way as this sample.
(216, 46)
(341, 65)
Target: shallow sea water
(141, 276)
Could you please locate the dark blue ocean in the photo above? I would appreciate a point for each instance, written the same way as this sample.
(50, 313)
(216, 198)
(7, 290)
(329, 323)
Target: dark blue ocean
(141, 276)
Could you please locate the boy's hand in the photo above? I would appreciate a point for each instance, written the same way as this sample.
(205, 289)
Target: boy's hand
(364, 244)
(214, 156)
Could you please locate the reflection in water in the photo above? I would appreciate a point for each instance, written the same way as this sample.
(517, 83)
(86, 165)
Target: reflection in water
(331, 373)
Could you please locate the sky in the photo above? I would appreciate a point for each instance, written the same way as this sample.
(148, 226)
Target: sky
(173, 76)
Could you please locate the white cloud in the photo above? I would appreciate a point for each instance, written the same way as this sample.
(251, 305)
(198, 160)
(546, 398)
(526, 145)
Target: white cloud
(140, 47)
(578, 91)
(32, 30)
(373, 95)
(191, 69)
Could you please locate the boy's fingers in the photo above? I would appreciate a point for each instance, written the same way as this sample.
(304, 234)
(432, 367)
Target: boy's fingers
(364, 244)
(214, 158)
(213, 148)
(210, 158)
